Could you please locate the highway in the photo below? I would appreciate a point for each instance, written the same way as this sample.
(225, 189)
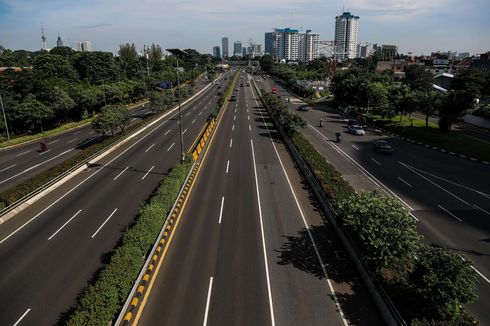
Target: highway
(20, 163)
(53, 248)
(250, 247)
(448, 196)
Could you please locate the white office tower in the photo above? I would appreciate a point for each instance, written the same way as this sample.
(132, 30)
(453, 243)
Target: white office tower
(286, 44)
(83, 46)
(346, 33)
(308, 46)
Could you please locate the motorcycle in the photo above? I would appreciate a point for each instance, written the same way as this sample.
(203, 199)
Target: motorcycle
(43, 147)
(337, 136)
(321, 123)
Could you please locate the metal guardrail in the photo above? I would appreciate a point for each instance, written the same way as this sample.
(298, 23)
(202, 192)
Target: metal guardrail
(387, 309)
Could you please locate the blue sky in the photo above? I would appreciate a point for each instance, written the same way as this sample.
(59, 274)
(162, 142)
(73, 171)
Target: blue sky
(418, 26)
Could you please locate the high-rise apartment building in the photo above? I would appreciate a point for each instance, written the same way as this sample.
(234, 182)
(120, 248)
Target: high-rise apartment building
(237, 48)
(83, 46)
(346, 33)
(269, 43)
(216, 51)
(291, 45)
(224, 47)
(364, 50)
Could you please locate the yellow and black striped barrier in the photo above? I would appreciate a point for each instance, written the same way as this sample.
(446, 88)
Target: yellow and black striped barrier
(202, 141)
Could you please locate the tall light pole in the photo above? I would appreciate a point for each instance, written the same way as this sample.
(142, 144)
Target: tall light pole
(4, 116)
(178, 52)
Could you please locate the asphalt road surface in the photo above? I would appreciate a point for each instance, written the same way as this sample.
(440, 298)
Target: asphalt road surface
(244, 251)
(448, 196)
(52, 249)
(20, 163)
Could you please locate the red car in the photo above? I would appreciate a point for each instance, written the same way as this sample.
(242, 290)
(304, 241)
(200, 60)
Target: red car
(274, 90)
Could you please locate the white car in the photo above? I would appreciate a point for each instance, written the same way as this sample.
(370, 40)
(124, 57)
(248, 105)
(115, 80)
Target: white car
(356, 130)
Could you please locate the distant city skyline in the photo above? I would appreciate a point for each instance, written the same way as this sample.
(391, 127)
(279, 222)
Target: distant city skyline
(417, 26)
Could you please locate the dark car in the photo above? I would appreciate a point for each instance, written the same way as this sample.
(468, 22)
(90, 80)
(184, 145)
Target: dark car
(382, 146)
(303, 107)
(233, 98)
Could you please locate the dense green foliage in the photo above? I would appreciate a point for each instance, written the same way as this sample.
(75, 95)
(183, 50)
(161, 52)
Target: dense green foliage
(111, 119)
(290, 121)
(73, 84)
(102, 300)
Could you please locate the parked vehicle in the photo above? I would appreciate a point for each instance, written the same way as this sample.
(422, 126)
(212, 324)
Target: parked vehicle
(382, 146)
(356, 130)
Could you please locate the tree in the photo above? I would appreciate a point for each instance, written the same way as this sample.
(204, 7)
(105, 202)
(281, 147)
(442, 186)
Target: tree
(384, 231)
(469, 81)
(86, 97)
(110, 119)
(128, 60)
(266, 62)
(32, 112)
(64, 51)
(155, 55)
(428, 103)
(440, 283)
(53, 66)
(61, 102)
(377, 94)
(159, 101)
(418, 78)
(453, 106)
(96, 67)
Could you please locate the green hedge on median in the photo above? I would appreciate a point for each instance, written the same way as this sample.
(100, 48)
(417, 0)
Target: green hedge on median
(101, 301)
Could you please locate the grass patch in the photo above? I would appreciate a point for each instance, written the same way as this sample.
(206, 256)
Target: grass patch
(453, 141)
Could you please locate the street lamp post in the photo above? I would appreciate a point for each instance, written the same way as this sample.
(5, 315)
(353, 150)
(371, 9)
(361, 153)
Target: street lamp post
(4, 116)
(177, 52)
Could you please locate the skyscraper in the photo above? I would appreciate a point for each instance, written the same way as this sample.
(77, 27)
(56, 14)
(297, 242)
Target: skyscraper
(59, 42)
(346, 32)
(291, 45)
(83, 46)
(237, 48)
(216, 51)
(224, 47)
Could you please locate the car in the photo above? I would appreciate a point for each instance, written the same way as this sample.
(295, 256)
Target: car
(241, 85)
(303, 107)
(274, 90)
(237, 89)
(382, 146)
(248, 83)
(233, 98)
(356, 130)
(220, 93)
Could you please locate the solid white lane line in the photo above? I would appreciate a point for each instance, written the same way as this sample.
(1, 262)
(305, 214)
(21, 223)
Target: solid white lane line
(205, 322)
(231, 142)
(448, 181)
(61, 228)
(117, 176)
(178, 122)
(405, 182)
(234, 117)
(355, 147)
(488, 213)
(371, 177)
(35, 166)
(183, 132)
(147, 172)
(170, 147)
(8, 167)
(269, 291)
(76, 132)
(23, 153)
(193, 121)
(249, 129)
(227, 166)
(150, 147)
(372, 159)
(235, 110)
(187, 114)
(483, 276)
(200, 113)
(55, 141)
(449, 213)
(22, 317)
(233, 128)
(435, 184)
(221, 209)
(307, 227)
(91, 132)
(100, 227)
(166, 132)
